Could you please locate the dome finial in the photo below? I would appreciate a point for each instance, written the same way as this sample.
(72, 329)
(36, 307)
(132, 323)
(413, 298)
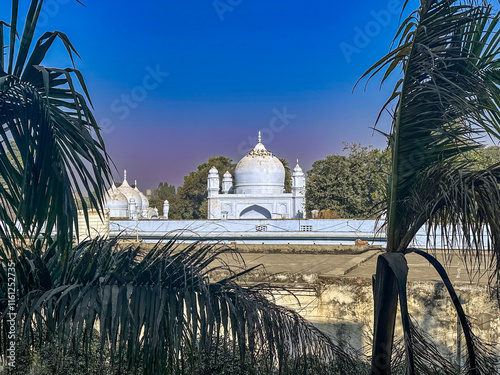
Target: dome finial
(260, 139)
(125, 182)
(297, 169)
(135, 181)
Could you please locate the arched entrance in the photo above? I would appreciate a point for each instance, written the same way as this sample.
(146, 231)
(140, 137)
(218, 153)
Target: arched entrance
(255, 212)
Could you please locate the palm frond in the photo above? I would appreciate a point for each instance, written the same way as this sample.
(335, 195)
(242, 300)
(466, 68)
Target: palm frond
(428, 359)
(448, 97)
(53, 154)
(449, 94)
(50, 165)
(13, 33)
(463, 216)
(160, 310)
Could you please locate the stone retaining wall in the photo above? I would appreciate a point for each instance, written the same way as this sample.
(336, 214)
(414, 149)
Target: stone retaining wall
(344, 309)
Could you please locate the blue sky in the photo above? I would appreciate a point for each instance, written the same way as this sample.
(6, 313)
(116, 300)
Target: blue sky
(175, 82)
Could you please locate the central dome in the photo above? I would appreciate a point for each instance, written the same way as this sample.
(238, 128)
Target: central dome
(259, 173)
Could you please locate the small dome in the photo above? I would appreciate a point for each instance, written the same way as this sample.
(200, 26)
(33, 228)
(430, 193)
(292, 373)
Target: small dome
(114, 199)
(227, 175)
(213, 171)
(152, 213)
(144, 199)
(130, 192)
(297, 169)
(259, 173)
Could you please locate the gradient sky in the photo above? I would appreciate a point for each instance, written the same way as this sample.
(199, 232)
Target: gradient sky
(234, 67)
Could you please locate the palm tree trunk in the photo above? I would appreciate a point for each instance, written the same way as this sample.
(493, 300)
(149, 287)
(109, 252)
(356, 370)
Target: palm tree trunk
(385, 293)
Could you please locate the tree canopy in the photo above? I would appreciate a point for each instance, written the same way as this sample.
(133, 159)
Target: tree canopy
(348, 185)
(288, 175)
(193, 192)
(482, 158)
(351, 185)
(163, 192)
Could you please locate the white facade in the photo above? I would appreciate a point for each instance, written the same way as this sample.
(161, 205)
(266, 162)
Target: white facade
(259, 189)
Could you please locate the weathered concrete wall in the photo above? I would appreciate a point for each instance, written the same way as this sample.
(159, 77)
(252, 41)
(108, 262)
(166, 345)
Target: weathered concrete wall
(332, 288)
(344, 308)
(283, 248)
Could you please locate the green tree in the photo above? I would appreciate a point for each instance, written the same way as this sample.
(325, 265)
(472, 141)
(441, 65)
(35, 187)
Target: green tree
(163, 192)
(193, 192)
(288, 175)
(351, 185)
(482, 158)
(448, 94)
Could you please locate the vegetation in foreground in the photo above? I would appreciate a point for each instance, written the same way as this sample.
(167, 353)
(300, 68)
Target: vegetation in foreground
(447, 96)
(157, 312)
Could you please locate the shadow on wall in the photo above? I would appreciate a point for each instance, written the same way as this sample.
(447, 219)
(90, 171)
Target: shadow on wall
(344, 333)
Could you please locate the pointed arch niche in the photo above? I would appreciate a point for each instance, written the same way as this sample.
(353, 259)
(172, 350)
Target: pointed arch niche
(255, 212)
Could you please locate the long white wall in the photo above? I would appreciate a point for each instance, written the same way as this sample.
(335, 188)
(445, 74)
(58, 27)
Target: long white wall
(254, 231)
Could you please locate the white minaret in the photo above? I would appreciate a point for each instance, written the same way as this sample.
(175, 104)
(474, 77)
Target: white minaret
(166, 207)
(299, 191)
(227, 183)
(213, 191)
(298, 180)
(213, 182)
